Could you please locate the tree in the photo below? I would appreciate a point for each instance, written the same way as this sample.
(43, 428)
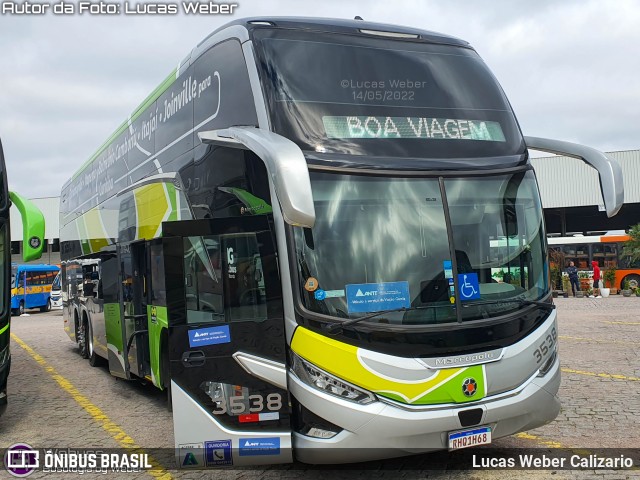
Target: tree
(632, 247)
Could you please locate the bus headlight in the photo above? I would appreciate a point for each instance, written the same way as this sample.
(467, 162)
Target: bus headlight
(325, 382)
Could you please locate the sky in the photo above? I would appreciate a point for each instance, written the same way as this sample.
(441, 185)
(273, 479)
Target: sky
(570, 69)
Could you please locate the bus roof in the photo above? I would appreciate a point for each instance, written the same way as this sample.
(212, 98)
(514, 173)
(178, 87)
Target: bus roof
(334, 25)
(35, 268)
(341, 25)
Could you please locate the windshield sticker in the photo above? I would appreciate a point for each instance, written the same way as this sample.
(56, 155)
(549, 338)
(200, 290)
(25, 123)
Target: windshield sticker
(259, 446)
(413, 128)
(311, 285)
(320, 294)
(376, 297)
(209, 336)
(448, 269)
(468, 286)
(190, 453)
(218, 452)
(334, 293)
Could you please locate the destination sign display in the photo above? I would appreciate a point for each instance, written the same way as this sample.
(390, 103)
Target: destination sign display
(412, 127)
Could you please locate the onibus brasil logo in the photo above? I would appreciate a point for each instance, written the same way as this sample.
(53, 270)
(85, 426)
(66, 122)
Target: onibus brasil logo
(21, 460)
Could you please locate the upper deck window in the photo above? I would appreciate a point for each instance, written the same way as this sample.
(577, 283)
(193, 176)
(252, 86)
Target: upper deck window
(352, 94)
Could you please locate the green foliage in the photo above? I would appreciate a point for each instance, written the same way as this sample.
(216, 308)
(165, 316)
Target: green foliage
(499, 274)
(555, 277)
(566, 284)
(632, 247)
(609, 277)
(626, 286)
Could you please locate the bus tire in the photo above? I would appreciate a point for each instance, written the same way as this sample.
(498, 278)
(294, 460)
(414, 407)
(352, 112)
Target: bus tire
(634, 281)
(21, 308)
(47, 307)
(82, 339)
(94, 360)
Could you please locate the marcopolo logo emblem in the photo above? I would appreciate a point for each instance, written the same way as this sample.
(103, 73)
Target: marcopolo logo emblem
(34, 242)
(21, 460)
(469, 387)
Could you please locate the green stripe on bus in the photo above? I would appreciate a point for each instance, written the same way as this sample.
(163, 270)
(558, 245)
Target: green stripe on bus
(3, 329)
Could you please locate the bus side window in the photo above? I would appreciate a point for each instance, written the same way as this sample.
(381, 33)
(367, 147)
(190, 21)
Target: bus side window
(158, 291)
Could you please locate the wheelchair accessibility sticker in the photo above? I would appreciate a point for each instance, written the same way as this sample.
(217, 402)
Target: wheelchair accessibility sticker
(468, 286)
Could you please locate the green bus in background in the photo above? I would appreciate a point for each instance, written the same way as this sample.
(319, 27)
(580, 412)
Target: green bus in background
(33, 224)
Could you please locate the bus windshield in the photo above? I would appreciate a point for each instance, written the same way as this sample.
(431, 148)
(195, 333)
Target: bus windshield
(373, 96)
(376, 234)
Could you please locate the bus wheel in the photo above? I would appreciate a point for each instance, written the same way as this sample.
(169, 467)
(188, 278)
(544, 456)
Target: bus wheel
(21, 308)
(47, 307)
(94, 360)
(634, 281)
(82, 339)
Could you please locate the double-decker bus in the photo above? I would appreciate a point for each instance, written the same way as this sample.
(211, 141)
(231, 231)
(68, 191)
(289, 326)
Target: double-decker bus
(33, 231)
(295, 235)
(607, 250)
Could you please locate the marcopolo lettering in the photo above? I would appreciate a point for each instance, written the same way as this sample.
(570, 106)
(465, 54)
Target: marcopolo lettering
(465, 359)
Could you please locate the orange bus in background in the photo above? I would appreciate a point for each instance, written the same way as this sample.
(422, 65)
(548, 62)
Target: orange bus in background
(605, 249)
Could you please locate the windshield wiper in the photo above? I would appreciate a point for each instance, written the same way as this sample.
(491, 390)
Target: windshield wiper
(519, 301)
(331, 327)
(334, 327)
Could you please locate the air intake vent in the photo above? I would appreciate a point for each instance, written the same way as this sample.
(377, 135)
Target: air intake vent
(469, 418)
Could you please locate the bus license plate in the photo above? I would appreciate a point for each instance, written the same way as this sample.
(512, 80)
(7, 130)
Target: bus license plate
(469, 438)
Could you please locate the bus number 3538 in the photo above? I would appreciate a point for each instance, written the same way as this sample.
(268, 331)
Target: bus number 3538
(238, 406)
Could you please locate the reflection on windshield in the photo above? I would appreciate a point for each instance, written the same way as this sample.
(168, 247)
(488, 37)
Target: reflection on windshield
(382, 244)
(376, 241)
(499, 240)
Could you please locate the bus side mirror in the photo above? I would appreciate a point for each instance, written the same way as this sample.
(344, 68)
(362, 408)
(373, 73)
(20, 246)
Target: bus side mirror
(610, 172)
(32, 227)
(285, 164)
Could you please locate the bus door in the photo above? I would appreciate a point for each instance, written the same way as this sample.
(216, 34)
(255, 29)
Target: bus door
(227, 345)
(133, 259)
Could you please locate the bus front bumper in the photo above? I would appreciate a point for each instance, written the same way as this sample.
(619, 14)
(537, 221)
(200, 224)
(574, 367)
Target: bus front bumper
(382, 430)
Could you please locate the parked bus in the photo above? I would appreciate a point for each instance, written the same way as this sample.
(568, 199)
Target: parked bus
(293, 236)
(56, 293)
(31, 287)
(33, 233)
(606, 249)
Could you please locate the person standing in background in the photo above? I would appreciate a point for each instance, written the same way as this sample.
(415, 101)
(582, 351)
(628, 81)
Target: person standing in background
(572, 271)
(596, 278)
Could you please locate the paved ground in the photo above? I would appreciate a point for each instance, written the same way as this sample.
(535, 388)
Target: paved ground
(58, 400)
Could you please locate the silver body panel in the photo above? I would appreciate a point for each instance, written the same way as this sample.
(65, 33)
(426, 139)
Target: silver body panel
(192, 425)
(383, 431)
(517, 400)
